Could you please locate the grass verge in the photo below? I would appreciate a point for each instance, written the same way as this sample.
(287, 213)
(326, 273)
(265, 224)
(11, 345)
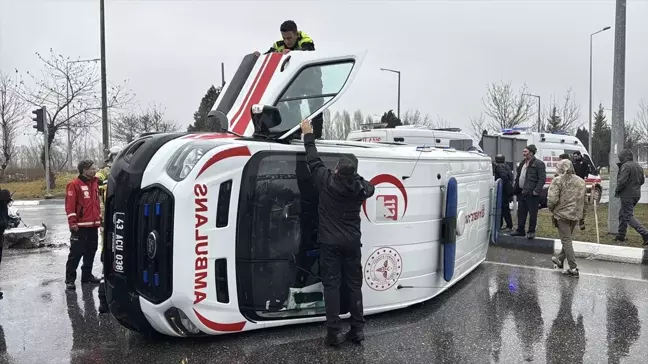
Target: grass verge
(35, 190)
(546, 229)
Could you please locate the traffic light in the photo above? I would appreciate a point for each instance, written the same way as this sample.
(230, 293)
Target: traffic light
(39, 119)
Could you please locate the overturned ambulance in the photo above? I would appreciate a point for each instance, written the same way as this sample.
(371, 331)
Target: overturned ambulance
(215, 233)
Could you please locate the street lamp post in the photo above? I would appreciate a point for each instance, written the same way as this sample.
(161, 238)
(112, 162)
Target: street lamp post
(589, 136)
(399, 88)
(67, 106)
(539, 122)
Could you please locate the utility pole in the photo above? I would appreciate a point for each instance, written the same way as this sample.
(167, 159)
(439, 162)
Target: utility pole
(399, 89)
(104, 96)
(222, 74)
(589, 137)
(618, 102)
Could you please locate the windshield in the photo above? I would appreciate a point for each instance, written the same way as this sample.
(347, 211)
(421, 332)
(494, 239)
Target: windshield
(313, 88)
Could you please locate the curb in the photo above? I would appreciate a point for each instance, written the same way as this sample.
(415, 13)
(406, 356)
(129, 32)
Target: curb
(55, 201)
(610, 253)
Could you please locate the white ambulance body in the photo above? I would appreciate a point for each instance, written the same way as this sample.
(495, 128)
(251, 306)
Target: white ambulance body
(212, 233)
(415, 135)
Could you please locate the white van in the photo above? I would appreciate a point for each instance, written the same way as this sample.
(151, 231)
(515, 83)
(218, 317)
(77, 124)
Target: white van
(414, 134)
(511, 142)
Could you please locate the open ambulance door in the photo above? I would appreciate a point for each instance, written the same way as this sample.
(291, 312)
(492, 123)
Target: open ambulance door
(301, 84)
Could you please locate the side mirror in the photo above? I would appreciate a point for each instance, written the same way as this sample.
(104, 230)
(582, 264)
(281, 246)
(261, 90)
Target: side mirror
(264, 118)
(219, 121)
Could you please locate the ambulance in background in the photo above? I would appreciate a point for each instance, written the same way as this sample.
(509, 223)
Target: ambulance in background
(511, 142)
(414, 134)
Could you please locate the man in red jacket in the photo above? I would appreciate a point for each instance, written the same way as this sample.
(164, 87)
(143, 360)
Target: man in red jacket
(84, 218)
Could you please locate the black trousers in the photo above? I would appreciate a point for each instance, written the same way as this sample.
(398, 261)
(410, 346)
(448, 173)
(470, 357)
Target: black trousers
(506, 213)
(626, 217)
(342, 279)
(83, 244)
(528, 205)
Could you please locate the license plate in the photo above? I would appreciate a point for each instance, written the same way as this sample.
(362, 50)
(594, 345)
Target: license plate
(119, 219)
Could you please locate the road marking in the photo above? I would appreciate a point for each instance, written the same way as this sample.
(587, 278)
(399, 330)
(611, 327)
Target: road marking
(581, 272)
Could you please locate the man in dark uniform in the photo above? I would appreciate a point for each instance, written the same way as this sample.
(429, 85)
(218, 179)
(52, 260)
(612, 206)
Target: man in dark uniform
(502, 171)
(580, 165)
(5, 198)
(341, 194)
(628, 189)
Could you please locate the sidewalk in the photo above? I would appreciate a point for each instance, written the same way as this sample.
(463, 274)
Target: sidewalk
(611, 253)
(54, 201)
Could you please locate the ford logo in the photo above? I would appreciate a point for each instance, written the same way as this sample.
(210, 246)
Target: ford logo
(151, 244)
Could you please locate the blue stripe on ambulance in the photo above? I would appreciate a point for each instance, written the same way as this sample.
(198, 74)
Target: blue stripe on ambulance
(449, 230)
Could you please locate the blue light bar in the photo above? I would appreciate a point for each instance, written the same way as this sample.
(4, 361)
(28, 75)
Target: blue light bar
(146, 209)
(156, 279)
(145, 276)
(157, 208)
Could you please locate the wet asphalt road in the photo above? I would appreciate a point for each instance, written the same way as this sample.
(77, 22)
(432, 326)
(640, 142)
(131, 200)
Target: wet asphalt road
(512, 309)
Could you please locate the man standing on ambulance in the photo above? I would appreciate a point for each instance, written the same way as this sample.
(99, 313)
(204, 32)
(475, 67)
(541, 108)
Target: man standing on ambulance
(84, 219)
(341, 194)
(310, 80)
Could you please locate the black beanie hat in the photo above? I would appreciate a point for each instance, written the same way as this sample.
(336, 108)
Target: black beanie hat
(532, 148)
(345, 167)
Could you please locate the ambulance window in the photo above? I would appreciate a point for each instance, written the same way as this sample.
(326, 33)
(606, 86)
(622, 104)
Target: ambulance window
(313, 87)
(276, 251)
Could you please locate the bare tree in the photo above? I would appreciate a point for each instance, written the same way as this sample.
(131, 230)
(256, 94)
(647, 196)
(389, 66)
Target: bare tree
(641, 120)
(506, 107)
(64, 85)
(478, 125)
(414, 117)
(12, 111)
(129, 126)
(563, 115)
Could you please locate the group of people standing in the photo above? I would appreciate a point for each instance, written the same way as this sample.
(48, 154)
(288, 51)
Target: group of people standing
(566, 197)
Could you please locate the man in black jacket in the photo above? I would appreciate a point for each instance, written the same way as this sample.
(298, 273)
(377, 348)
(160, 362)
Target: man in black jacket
(341, 194)
(628, 189)
(5, 198)
(502, 171)
(529, 182)
(581, 167)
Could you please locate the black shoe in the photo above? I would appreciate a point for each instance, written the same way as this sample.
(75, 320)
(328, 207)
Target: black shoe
(517, 233)
(91, 279)
(103, 307)
(557, 262)
(70, 285)
(355, 336)
(531, 236)
(573, 272)
(620, 238)
(334, 340)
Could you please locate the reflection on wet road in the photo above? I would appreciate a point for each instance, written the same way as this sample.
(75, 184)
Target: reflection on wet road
(512, 309)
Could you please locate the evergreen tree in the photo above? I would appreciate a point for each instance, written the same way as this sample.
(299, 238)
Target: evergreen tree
(601, 139)
(554, 121)
(583, 135)
(391, 119)
(200, 117)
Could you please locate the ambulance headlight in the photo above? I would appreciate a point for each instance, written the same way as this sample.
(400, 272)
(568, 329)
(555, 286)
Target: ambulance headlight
(185, 159)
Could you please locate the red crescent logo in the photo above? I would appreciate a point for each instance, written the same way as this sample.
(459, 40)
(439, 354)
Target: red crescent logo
(387, 178)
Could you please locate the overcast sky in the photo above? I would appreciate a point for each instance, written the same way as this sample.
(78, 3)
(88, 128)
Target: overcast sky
(447, 50)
